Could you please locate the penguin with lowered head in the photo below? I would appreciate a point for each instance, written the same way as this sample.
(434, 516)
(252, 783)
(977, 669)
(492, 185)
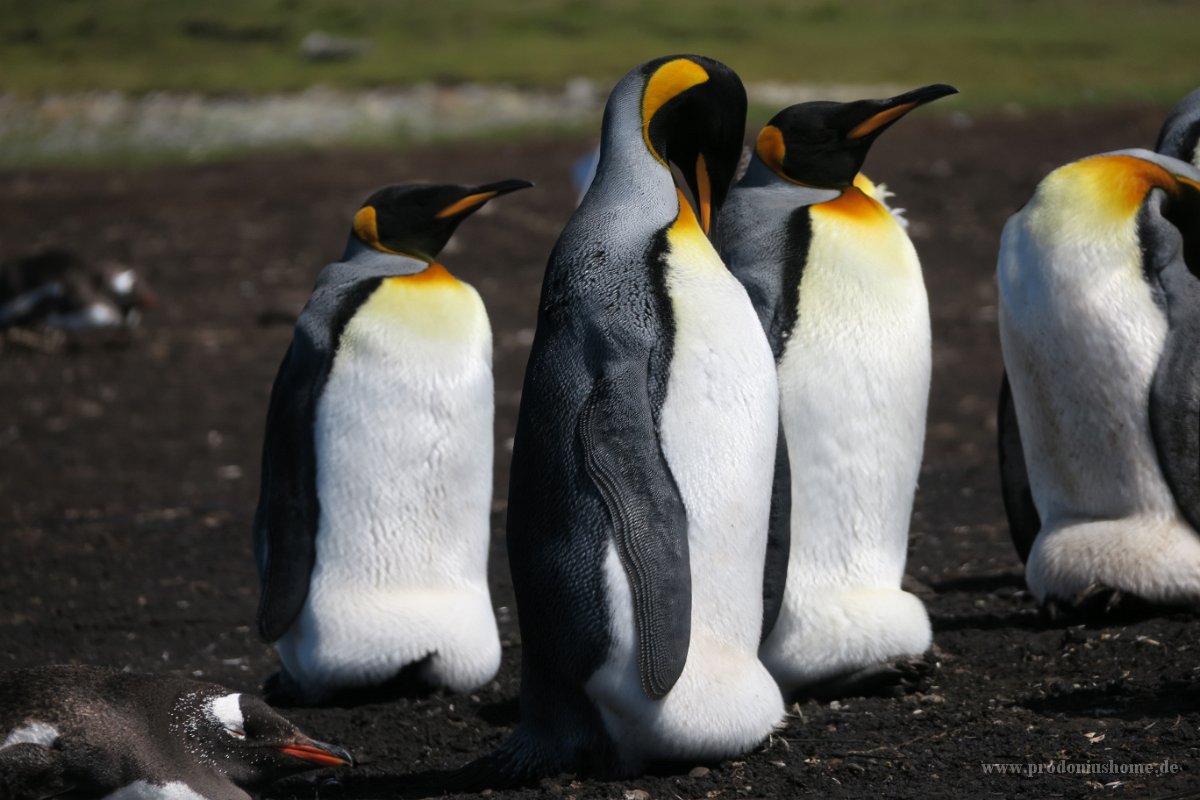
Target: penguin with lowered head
(641, 477)
(1099, 415)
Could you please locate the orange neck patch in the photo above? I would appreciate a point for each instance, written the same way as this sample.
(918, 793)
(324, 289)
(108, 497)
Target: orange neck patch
(433, 275)
(1117, 184)
(855, 205)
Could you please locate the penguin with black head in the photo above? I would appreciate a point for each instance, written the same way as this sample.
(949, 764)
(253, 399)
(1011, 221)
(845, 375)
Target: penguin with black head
(641, 475)
(838, 289)
(372, 529)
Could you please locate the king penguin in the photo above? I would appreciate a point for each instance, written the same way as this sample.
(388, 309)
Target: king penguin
(1099, 417)
(1180, 134)
(93, 732)
(372, 528)
(641, 478)
(838, 289)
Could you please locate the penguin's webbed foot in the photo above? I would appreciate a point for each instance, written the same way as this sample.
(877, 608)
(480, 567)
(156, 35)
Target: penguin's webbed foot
(1102, 604)
(893, 678)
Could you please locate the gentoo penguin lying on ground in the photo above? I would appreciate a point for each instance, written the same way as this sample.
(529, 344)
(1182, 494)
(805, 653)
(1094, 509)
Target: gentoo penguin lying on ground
(55, 288)
(93, 732)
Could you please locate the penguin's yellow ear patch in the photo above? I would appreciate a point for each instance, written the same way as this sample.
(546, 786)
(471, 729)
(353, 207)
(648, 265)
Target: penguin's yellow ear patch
(470, 201)
(872, 124)
(668, 81)
(771, 149)
(365, 227)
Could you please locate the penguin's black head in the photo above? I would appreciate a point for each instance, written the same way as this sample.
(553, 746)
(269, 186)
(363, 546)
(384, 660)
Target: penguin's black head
(417, 220)
(694, 116)
(250, 742)
(824, 144)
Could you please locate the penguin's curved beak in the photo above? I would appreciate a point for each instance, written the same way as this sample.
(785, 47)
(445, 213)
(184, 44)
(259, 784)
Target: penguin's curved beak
(477, 196)
(317, 753)
(876, 116)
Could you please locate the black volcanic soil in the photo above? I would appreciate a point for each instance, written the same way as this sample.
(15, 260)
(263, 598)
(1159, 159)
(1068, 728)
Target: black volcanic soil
(128, 473)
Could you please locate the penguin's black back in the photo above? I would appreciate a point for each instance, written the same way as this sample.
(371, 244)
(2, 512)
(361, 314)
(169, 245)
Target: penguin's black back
(599, 306)
(288, 513)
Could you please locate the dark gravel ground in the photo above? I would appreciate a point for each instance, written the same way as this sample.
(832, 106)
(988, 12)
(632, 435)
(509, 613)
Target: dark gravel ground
(129, 474)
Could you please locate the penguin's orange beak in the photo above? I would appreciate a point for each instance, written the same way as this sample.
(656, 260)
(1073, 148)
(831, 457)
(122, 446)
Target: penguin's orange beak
(318, 753)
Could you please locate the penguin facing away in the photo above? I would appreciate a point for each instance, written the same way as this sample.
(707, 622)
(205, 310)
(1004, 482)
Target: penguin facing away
(93, 732)
(838, 289)
(641, 476)
(1099, 418)
(372, 529)
(1180, 133)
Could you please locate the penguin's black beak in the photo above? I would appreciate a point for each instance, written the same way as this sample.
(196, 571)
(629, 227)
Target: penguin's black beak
(869, 118)
(475, 198)
(319, 754)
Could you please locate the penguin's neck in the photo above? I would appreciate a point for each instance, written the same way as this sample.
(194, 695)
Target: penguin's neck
(361, 261)
(628, 172)
(760, 176)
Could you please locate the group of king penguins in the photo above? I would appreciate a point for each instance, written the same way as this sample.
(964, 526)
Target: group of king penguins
(719, 436)
(714, 463)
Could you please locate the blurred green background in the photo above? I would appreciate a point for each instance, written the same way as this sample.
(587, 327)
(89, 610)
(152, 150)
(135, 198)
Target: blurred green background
(85, 81)
(1025, 51)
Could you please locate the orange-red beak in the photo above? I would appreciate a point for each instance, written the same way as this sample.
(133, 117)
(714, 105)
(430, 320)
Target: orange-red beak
(319, 753)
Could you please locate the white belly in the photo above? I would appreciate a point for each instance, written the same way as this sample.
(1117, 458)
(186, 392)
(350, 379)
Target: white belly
(403, 441)
(1082, 337)
(174, 790)
(854, 387)
(718, 428)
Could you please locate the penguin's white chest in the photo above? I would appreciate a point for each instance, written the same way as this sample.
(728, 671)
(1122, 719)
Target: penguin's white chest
(1082, 337)
(854, 387)
(173, 790)
(403, 439)
(718, 424)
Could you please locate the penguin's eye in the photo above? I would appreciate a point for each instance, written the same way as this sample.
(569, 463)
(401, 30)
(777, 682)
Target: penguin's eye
(236, 733)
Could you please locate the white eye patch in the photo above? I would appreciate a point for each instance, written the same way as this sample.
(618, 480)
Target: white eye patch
(227, 710)
(32, 732)
(123, 282)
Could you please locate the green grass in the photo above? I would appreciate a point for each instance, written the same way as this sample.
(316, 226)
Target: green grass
(1029, 51)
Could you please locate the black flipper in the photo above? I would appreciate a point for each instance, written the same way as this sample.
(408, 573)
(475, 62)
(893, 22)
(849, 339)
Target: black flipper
(624, 459)
(1024, 522)
(1168, 250)
(285, 524)
(779, 537)
(289, 511)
